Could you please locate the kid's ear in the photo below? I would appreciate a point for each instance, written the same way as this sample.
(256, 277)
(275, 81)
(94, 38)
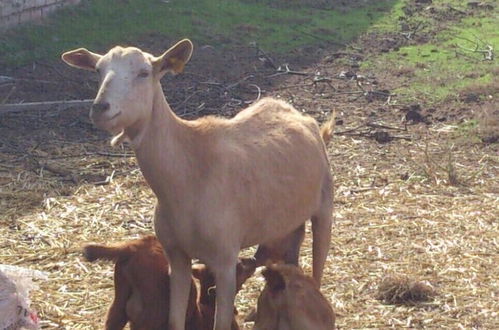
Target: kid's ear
(81, 58)
(275, 280)
(174, 59)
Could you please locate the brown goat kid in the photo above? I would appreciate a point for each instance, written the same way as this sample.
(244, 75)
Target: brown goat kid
(141, 286)
(207, 292)
(292, 301)
(221, 184)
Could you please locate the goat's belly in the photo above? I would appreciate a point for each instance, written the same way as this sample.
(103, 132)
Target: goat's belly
(243, 204)
(272, 230)
(273, 213)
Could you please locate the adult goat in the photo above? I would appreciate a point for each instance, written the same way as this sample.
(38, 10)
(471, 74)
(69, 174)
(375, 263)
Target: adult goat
(221, 184)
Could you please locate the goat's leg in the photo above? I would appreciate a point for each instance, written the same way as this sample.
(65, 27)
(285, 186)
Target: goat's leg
(262, 254)
(286, 249)
(293, 245)
(225, 278)
(321, 230)
(116, 316)
(180, 285)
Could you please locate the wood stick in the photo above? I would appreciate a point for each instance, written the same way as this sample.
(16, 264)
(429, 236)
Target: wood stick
(44, 106)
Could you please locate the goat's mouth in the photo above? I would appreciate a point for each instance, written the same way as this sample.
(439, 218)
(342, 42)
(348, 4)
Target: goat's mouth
(102, 118)
(116, 115)
(106, 123)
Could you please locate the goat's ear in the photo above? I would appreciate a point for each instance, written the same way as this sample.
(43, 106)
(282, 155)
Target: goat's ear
(198, 271)
(274, 278)
(81, 58)
(174, 59)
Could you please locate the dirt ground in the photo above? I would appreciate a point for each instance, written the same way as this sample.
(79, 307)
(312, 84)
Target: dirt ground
(414, 195)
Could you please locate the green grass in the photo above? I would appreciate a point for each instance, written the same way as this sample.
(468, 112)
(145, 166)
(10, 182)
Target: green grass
(468, 130)
(442, 69)
(99, 24)
(389, 22)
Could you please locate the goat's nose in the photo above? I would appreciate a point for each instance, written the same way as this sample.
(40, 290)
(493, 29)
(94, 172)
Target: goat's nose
(100, 107)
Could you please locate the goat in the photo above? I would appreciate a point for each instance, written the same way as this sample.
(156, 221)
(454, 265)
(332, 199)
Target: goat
(221, 184)
(292, 301)
(141, 285)
(207, 292)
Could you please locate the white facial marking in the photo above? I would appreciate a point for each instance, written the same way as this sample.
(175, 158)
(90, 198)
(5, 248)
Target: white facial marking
(127, 85)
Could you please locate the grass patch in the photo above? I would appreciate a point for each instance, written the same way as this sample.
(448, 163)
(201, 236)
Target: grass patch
(98, 24)
(468, 126)
(389, 22)
(468, 130)
(448, 66)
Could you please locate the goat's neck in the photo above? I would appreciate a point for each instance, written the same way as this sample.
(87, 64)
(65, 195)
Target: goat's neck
(161, 144)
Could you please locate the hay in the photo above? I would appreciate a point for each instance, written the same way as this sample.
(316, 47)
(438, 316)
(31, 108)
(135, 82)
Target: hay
(400, 289)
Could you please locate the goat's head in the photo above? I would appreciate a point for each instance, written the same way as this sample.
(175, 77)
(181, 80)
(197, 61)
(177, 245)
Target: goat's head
(129, 78)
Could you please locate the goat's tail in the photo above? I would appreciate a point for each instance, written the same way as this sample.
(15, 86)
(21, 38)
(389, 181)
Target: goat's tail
(327, 130)
(93, 252)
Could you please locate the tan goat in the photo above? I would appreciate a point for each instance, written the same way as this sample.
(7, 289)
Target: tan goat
(221, 184)
(292, 301)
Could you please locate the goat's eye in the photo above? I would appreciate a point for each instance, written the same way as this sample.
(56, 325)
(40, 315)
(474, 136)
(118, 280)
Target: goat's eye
(97, 70)
(143, 74)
